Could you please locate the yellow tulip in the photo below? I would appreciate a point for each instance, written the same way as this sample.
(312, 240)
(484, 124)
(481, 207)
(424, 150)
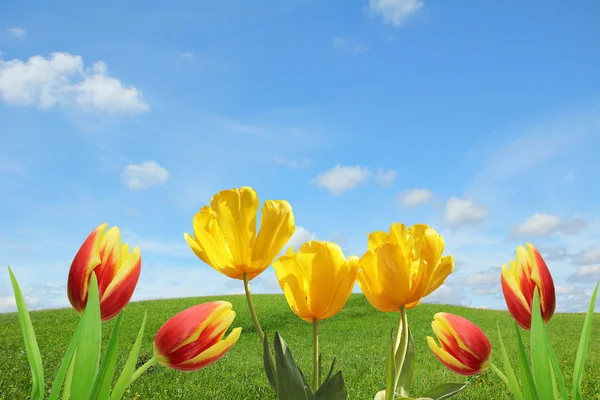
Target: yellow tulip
(225, 233)
(317, 280)
(402, 267)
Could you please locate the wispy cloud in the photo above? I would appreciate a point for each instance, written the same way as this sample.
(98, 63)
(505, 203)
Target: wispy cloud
(17, 32)
(547, 224)
(414, 197)
(302, 162)
(341, 179)
(347, 44)
(461, 212)
(385, 178)
(395, 12)
(144, 176)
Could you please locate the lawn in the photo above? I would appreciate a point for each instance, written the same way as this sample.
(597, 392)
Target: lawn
(358, 336)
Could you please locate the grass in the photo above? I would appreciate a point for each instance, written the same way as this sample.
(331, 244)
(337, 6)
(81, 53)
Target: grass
(358, 336)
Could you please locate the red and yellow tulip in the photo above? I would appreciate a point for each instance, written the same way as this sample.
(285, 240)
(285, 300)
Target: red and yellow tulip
(520, 279)
(225, 233)
(192, 339)
(464, 347)
(116, 268)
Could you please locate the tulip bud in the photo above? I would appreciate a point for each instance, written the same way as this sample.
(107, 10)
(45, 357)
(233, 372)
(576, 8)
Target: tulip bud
(116, 269)
(191, 339)
(519, 281)
(464, 347)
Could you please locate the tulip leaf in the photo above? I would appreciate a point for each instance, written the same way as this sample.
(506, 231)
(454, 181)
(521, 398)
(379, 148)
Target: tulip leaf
(62, 370)
(88, 344)
(406, 374)
(104, 377)
(529, 387)
(445, 391)
(69, 379)
(540, 359)
(290, 385)
(333, 388)
(31, 347)
(307, 389)
(330, 369)
(129, 367)
(562, 387)
(320, 370)
(511, 378)
(269, 367)
(583, 347)
(390, 371)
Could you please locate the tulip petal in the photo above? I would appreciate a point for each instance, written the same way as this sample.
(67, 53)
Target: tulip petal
(515, 301)
(110, 253)
(377, 238)
(276, 229)
(346, 278)
(235, 211)
(121, 287)
(468, 336)
(212, 354)
(444, 268)
(292, 280)
(448, 360)
(542, 278)
(85, 261)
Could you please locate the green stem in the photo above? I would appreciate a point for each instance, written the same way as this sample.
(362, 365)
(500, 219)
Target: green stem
(500, 374)
(142, 369)
(402, 345)
(315, 355)
(259, 330)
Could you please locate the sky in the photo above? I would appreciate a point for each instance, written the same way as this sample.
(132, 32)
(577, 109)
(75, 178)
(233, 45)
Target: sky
(481, 119)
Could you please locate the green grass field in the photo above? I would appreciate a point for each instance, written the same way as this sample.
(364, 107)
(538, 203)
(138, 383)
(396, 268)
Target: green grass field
(358, 336)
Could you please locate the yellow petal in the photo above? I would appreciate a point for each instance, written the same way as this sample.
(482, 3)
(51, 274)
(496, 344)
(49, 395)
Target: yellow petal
(276, 229)
(445, 268)
(377, 238)
(369, 284)
(218, 349)
(429, 246)
(235, 211)
(292, 280)
(346, 278)
(210, 245)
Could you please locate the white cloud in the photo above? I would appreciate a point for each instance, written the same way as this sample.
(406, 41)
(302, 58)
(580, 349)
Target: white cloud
(464, 211)
(8, 303)
(385, 178)
(340, 179)
(144, 176)
(347, 45)
(415, 197)
(587, 257)
(591, 272)
(62, 80)
(17, 32)
(547, 224)
(300, 236)
(395, 12)
(296, 163)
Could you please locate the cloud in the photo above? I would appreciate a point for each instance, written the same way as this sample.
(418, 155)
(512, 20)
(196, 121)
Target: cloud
(385, 178)
(17, 32)
(588, 273)
(185, 57)
(297, 163)
(347, 45)
(395, 12)
(62, 80)
(447, 294)
(340, 179)
(463, 212)
(554, 253)
(414, 197)
(300, 236)
(547, 224)
(587, 257)
(144, 176)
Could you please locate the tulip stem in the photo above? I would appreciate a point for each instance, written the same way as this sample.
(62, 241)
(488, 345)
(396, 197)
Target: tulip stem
(259, 330)
(142, 369)
(401, 347)
(316, 371)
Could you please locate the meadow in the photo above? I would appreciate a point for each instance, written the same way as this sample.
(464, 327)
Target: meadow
(358, 336)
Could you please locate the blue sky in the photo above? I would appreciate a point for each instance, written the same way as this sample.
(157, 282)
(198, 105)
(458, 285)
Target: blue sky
(481, 119)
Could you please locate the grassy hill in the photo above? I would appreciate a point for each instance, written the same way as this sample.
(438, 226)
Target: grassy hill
(358, 336)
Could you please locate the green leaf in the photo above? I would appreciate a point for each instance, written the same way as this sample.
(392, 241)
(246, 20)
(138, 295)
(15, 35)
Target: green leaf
(333, 388)
(540, 359)
(320, 370)
(67, 390)
(513, 383)
(330, 370)
(583, 347)
(269, 367)
(290, 385)
(445, 391)
(390, 371)
(529, 387)
(104, 377)
(88, 344)
(564, 394)
(58, 381)
(406, 374)
(129, 367)
(31, 346)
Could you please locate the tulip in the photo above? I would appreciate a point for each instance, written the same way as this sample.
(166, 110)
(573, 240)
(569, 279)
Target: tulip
(519, 282)
(402, 267)
(116, 268)
(225, 233)
(465, 349)
(192, 339)
(317, 280)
